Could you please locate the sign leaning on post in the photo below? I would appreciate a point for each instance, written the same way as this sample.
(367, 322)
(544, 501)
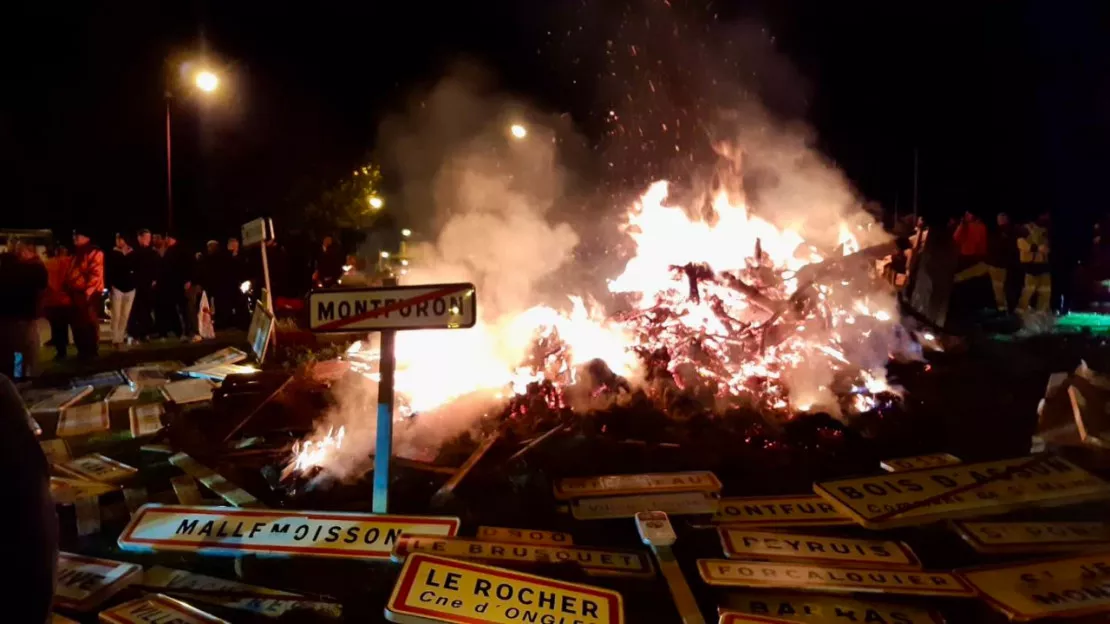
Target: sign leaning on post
(387, 310)
(256, 232)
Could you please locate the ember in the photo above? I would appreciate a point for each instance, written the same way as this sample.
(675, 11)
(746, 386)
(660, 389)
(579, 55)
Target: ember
(720, 312)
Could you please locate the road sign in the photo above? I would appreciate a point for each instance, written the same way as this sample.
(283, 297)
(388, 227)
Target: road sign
(231, 531)
(215, 481)
(677, 504)
(595, 561)
(157, 608)
(146, 419)
(428, 306)
(1061, 587)
(221, 592)
(919, 462)
(922, 496)
(779, 511)
(97, 467)
(760, 545)
(819, 609)
(524, 536)
(727, 573)
(1032, 537)
(434, 589)
(732, 617)
(656, 531)
(257, 231)
(86, 582)
(612, 485)
(67, 491)
(83, 419)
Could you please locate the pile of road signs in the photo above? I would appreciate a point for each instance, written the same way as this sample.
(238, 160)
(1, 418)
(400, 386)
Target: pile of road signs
(765, 548)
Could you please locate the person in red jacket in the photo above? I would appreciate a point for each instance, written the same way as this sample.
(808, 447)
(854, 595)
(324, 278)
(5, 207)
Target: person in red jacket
(57, 303)
(971, 240)
(85, 285)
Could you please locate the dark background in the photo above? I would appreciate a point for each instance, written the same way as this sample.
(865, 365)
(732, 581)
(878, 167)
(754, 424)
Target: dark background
(1007, 103)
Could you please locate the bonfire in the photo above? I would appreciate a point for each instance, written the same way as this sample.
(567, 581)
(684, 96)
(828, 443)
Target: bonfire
(715, 313)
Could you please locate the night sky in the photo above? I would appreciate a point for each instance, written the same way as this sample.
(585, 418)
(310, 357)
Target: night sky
(1008, 103)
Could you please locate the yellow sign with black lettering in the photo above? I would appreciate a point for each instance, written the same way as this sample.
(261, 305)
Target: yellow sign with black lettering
(460, 592)
(1033, 537)
(595, 561)
(1061, 587)
(818, 609)
(658, 483)
(921, 496)
(726, 573)
(779, 511)
(524, 536)
(85, 582)
(760, 545)
(919, 462)
(97, 467)
(730, 617)
(157, 608)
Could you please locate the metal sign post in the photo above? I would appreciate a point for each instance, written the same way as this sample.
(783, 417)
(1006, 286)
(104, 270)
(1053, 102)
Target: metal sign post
(387, 363)
(389, 309)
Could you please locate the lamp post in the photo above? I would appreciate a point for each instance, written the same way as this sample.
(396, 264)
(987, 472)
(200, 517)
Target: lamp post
(206, 82)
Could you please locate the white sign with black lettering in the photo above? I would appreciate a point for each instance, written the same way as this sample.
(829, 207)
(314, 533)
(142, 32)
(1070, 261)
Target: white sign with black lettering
(232, 531)
(256, 231)
(433, 306)
(1064, 587)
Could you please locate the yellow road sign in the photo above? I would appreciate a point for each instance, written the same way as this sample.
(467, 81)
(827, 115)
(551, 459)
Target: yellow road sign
(732, 617)
(232, 531)
(67, 491)
(675, 504)
(56, 450)
(922, 496)
(819, 609)
(727, 573)
(919, 462)
(85, 582)
(1060, 587)
(434, 589)
(595, 561)
(765, 545)
(524, 536)
(157, 608)
(83, 419)
(97, 467)
(779, 511)
(262, 601)
(1031, 537)
(146, 419)
(656, 483)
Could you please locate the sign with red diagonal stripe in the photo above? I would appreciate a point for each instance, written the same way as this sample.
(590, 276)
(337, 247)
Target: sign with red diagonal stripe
(430, 306)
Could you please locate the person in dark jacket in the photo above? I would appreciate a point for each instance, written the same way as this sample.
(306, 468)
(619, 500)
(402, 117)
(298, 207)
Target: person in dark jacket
(329, 264)
(29, 516)
(121, 287)
(173, 280)
(22, 282)
(140, 325)
(231, 302)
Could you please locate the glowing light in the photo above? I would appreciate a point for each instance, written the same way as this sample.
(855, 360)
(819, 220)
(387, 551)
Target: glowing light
(207, 81)
(385, 254)
(406, 232)
(245, 287)
(376, 202)
(518, 131)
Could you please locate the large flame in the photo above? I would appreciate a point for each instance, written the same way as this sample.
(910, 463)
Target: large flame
(708, 291)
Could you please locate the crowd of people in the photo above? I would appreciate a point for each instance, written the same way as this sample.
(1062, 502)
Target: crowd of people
(1001, 251)
(155, 289)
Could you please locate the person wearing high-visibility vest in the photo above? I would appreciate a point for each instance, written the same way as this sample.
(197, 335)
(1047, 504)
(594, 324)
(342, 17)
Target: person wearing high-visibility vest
(1033, 250)
(998, 258)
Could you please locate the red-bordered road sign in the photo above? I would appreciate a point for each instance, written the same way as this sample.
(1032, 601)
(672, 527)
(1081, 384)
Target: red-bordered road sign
(429, 306)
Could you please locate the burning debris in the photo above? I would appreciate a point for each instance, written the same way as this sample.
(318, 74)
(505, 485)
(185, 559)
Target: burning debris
(716, 315)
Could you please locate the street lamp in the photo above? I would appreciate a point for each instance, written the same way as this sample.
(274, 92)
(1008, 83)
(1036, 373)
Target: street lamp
(206, 81)
(376, 203)
(518, 131)
(406, 232)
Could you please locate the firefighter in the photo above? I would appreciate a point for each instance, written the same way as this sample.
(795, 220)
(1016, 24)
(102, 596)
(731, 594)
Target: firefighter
(1033, 250)
(1000, 251)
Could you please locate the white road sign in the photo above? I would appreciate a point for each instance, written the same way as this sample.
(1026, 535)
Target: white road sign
(257, 231)
(431, 306)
